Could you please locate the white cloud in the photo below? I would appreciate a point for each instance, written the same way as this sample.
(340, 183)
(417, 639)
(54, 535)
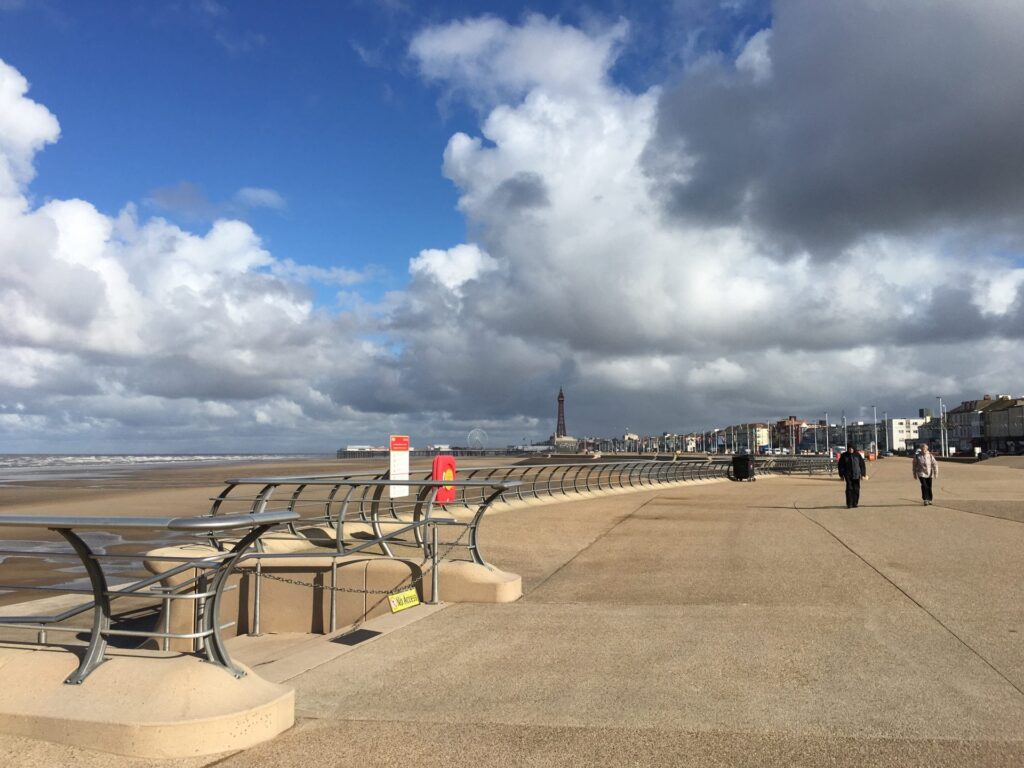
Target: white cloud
(289, 270)
(489, 59)
(257, 197)
(755, 59)
(25, 127)
(454, 267)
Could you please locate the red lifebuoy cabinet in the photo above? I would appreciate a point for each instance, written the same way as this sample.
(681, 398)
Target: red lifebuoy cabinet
(444, 469)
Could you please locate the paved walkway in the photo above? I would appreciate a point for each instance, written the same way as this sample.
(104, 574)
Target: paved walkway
(714, 624)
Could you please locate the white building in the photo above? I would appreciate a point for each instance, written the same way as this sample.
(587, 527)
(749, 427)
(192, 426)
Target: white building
(901, 434)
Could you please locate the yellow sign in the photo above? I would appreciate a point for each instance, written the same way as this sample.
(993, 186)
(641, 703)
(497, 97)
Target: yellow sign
(407, 598)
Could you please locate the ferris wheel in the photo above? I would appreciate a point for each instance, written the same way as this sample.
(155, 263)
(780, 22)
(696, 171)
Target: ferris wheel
(476, 439)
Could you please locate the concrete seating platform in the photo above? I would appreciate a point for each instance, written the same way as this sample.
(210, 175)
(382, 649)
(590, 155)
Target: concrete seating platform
(132, 704)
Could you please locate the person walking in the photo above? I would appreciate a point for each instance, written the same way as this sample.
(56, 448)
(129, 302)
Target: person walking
(926, 468)
(851, 469)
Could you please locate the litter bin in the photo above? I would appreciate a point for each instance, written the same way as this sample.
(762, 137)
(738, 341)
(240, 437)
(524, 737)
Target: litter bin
(743, 467)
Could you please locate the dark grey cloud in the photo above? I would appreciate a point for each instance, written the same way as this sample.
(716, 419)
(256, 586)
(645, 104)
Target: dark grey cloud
(524, 190)
(897, 117)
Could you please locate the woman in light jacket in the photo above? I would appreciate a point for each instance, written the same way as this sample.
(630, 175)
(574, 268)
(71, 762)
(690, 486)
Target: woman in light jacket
(925, 470)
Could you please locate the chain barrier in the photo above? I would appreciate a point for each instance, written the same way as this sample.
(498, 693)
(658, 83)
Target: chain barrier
(424, 572)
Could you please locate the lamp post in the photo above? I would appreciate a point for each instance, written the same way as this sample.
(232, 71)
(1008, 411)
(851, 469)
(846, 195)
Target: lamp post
(945, 430)
(885, 425)
(942, 428)
(826, 433)
(874, 421)
(846, 439)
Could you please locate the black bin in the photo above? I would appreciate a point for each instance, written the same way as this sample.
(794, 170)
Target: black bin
(743, 467)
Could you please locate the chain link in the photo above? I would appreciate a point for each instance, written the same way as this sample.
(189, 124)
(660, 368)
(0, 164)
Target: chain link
(414, 583)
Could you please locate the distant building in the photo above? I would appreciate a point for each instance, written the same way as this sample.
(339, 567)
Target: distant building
(1004, 424)
(901, 434)
(965, 424)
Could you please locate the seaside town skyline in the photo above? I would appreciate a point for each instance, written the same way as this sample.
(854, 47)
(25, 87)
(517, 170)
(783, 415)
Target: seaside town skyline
(244, 225)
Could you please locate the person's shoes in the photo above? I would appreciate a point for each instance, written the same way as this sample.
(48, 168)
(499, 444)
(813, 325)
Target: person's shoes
(848, 506)
(856, 505)
(925, 503)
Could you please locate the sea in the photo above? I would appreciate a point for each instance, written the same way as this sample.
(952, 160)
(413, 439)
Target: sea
(28, 467)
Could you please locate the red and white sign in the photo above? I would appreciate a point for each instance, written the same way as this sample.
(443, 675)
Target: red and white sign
(399, 469)
(444, 469)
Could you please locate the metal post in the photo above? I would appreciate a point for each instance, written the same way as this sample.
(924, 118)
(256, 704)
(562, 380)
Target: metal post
(95, 654)
(433, 565)
(874, 418)
(827, 450)
(166, 643)
(885, 425)
(942, 435)
(258, 580)
(334, 596)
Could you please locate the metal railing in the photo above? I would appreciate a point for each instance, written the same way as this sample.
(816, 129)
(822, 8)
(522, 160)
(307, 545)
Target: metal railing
(524, 481)
(364, 497)
(339, 504)
(789, 465)
(204, 588)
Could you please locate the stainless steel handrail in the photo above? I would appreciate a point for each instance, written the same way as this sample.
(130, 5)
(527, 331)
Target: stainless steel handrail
(362, 502)
(206, 588)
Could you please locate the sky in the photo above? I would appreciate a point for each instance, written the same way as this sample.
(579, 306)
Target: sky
(268, 227)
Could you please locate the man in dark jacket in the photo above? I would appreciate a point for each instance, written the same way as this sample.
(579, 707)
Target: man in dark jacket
(851, 469)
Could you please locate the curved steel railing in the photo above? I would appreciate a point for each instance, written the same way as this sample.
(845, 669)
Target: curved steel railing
(205, 588)
(338, 498)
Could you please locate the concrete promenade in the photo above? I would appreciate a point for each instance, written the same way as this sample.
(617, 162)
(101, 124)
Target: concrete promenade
(708, 624)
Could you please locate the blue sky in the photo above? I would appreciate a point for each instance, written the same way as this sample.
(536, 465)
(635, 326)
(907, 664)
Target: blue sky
(314, 226)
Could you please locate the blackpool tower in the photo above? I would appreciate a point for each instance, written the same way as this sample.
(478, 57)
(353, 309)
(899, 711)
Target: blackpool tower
(560, 427)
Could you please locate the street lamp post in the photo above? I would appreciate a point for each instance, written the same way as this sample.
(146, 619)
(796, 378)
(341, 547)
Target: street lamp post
(885, 426)
(826, 433)
(945, 431)
(874, 420)
(846, 439)
(942, 428)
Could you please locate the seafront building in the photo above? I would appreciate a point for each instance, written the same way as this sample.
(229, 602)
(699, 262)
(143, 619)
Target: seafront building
(1003, 425)
(901, 434)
